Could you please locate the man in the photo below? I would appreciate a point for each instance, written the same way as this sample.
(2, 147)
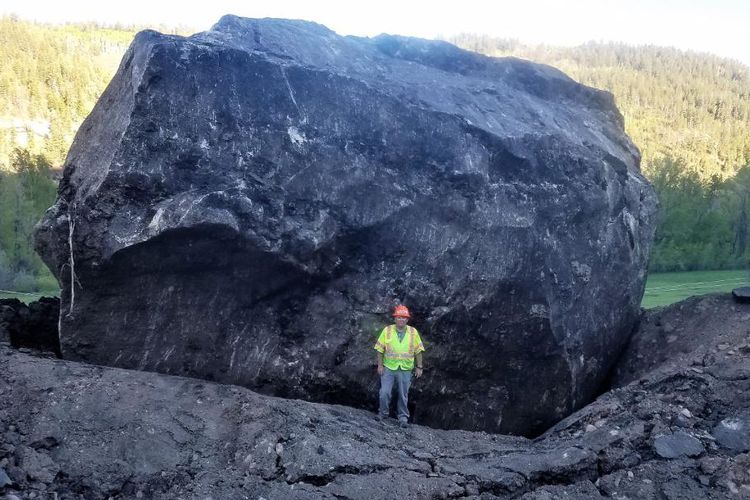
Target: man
(398, 347)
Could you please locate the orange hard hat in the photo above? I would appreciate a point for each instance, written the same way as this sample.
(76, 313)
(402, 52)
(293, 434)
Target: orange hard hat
(401, 312)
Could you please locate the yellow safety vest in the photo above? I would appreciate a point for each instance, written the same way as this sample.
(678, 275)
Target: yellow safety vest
(399, 354)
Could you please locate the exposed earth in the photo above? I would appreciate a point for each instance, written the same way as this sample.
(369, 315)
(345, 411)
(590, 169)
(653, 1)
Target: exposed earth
(677, 430)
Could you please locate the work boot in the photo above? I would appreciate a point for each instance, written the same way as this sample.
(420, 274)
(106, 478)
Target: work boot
(403, 423)
(379, 417)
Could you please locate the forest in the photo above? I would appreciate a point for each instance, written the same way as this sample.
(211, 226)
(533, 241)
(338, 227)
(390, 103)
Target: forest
(689, 114)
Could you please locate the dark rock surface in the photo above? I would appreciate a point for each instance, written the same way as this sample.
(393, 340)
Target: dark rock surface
(679, 444)
(733, 433)
(741, 294)
(32, 325)
(247, 204)
(73, 430)
(4, 479)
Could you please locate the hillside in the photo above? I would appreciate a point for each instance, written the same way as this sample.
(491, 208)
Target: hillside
(50, 79)
(688, 113)
(679, 107)
(693, 109)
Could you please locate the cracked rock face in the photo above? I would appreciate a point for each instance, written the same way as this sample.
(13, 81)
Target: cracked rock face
(246, 205)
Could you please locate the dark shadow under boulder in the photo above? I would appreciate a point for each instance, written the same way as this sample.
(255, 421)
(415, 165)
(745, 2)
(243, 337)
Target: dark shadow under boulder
(33, 325)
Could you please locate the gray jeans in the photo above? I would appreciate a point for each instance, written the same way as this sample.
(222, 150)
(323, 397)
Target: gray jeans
(402, 378)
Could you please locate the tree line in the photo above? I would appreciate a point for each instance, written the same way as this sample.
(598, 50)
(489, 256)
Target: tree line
(53, 75)
(26, 191)
(702, 224)
(689, 114)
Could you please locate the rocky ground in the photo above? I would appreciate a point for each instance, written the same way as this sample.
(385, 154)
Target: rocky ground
(677, 430)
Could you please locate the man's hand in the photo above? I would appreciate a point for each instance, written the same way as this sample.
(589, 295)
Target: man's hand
(380, 369)
(417, 372)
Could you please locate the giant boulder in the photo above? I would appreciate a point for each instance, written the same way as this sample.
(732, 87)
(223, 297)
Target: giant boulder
(246, 205)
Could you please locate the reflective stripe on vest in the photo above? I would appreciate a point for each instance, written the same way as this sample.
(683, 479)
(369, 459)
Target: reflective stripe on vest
(389, 332)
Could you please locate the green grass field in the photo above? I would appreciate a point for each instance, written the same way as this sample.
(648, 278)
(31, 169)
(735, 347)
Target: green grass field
(28, 297)
(666, 288)
(661, 288)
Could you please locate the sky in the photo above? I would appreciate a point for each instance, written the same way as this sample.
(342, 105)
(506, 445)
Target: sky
(719, 27)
